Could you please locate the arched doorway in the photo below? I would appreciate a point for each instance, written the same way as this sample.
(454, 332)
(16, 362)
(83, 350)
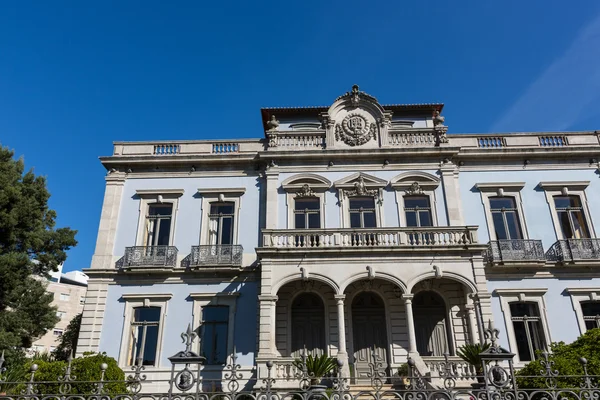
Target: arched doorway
(431, 325)
(369, 332)
(308, 325)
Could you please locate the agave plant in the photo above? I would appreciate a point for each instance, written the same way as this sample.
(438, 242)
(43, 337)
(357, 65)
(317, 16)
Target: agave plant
(471, 353)
(316, 367)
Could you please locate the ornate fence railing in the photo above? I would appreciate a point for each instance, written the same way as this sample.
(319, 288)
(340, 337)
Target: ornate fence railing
(149, 256)
(515, 251)
(573, 250)
(495, 379)
(215, 255)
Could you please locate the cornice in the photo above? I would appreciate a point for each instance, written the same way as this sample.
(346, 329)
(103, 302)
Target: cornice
(159, 192)
(217, 191)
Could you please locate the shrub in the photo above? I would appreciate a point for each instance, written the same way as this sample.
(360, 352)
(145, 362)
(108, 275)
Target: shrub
(317, 366)
(470, 352)
(566, 362)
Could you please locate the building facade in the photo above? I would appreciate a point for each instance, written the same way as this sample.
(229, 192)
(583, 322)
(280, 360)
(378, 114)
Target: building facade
(353, 230)
(69, 297)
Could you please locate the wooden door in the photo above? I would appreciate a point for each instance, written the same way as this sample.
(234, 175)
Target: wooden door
(369, 334)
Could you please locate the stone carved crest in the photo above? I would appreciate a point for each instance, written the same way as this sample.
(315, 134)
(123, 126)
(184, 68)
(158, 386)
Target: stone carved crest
(415, 188)
(306, 191)
(360, 189)
(355, 130)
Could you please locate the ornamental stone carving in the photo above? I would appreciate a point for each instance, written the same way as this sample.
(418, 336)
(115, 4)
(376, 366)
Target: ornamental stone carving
(415, 188)
(355, 130)
(439, 128)
(360, 189)
(306, 191)
(273, 124)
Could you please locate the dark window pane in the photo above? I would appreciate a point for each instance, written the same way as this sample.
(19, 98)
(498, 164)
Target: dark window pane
(362, 202)
(565, 225)
(151, 344)
(300, 221)
(147, 314)
(425, 218)
(369, 218)
(221, 208)
(522, 343)
(314, 220)
(579, 225)
(416, 201)
(590, 325)
(164, 210)
(411, 218)
(499, 228)
(164, 232)
(502, 202)
(590, 308)
(563, 201)
(215, 314)
(310, 204)
(514, 228)
(355, 220)
(536, 331)
(524, 309)
(227, 232)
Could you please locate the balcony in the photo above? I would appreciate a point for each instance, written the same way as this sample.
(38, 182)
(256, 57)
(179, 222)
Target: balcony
(149, 257)
(228, 255)
(516, 252)
(409, 238)
(575, 251)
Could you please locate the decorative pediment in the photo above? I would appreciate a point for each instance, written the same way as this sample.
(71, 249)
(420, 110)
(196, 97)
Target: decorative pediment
(415, 182)
(360, 184)
(306, 185)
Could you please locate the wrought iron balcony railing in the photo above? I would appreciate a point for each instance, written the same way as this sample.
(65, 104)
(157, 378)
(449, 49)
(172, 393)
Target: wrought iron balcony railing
(150, 256)
(573, 250)
(515, 251)
(215, 255)
(449, 236)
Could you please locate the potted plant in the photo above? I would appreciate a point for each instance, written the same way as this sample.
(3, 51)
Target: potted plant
(471, 353)
(404, 374)
(316, 368)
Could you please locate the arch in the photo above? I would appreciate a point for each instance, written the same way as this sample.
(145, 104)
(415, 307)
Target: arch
(431, 323)
(415, 176)
(311, 179)
(355, 99)
(379, 275)
(313, 276)
(449, 275)
(308, 324)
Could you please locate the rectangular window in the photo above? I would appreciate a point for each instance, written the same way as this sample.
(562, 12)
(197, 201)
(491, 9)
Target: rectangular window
(591, 314)
(307, 213)
(215, 321)
(60, 314)
(362, 212)
(82, 300)
(221, 223)
(569, 211)
(158, 224)
(418, 211)
(57, 332)
(529, 329)
(506, 218)
(64, 296)
(144, 335)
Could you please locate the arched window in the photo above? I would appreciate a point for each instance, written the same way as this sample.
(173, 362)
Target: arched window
(430, 316)
(308, 325)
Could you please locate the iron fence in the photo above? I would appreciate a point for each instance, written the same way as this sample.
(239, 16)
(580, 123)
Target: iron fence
(570, 250)
(217, 254)
(150, 256)
(496, 380)
(515, 250)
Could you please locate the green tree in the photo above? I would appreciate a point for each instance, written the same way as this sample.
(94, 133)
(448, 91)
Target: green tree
(68, 341)
(566, 361)
(30, 247)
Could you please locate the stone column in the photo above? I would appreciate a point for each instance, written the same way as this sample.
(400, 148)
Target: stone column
(266, 335)
(272, 181)
(342, 352)
(470, 309)
(410, 322)
(449, 174)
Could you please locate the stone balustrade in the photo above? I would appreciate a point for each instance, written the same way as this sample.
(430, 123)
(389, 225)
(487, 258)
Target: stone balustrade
(370, 237)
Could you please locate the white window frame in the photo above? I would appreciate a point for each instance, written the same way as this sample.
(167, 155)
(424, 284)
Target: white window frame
(201, 300)
(143, 300)
(65, 296)
(346, 186)
(294, 184)
(579, 295)
(403, 186)
(160, 196)
(222, 195)
(61, 314)
(60, 332)
(502, 189)
(574, 188)
(536, 296)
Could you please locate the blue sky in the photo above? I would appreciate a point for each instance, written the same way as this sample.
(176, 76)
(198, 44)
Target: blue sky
(76, 76)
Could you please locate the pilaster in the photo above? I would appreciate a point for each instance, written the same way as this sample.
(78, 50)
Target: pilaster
(449, 175)
(272, 178)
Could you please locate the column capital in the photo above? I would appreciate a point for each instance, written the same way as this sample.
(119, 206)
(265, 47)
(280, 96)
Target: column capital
(267, 298)
(339, 297)
(408, 297)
